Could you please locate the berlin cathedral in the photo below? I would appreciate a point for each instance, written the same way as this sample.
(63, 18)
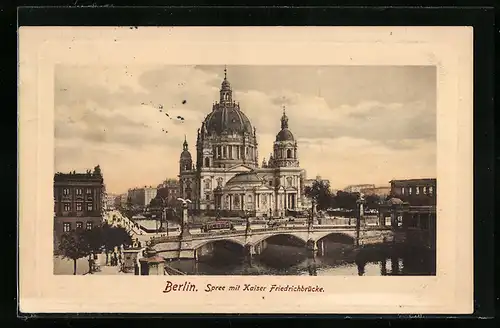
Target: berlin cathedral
(227, 178)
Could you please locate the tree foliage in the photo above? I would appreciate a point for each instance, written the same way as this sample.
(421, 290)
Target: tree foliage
(372, 201)
(80, 243)
(114, 236)
(346, 200)
(320, 192)
(74, 245)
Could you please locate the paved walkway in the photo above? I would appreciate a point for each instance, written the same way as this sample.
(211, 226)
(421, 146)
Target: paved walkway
(110, 270)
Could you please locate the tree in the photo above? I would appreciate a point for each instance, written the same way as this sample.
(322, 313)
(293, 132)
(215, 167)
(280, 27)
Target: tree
(346, 200)
(320, 192)
(74, 246)
(94, 239)
(110, 237)
(372, 201)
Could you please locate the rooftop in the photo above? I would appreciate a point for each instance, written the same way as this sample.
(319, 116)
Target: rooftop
(414, 181)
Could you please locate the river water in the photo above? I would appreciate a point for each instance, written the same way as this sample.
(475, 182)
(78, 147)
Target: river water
(337, 260)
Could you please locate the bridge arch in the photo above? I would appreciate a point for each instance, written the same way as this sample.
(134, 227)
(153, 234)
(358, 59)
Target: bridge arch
(260, 238)
(338, 237)
(221, 240)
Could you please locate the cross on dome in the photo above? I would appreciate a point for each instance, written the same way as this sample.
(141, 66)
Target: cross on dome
(185, 144)
(284, 119)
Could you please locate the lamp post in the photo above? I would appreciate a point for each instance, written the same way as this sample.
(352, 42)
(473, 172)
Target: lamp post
(359, 216)
(164, 212)
(311, 217)
(184, 228)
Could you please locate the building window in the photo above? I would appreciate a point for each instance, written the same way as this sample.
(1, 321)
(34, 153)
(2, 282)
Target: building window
(66, 227)
(79, 207)
(89, 191)
(224, 152)
(417, 190)
(403, 191)
(231, 152)
(67, 207)
(207, 197)
(78, 191)
(270, 183)
(207, 185)
(89, 225)
(431, 190)
(289, 153)
(90, 207)
(409, 190)
(207, 162)
(79, 225)
(65, 191)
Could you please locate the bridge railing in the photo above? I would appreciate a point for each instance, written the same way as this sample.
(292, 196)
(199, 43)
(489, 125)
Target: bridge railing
(208, 235)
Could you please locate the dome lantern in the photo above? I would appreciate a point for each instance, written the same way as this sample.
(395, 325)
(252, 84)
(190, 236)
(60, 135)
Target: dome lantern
(226, 94)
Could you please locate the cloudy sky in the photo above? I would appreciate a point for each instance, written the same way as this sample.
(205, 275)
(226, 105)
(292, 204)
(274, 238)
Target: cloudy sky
(354, 124)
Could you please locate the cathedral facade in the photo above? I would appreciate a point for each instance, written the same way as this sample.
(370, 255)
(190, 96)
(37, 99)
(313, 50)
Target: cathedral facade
(226, 176)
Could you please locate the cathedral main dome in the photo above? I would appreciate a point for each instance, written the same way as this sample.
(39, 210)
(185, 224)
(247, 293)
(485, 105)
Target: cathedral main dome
(227, 118)
(226, 137)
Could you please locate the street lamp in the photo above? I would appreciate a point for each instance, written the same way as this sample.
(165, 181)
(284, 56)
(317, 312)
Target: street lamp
(311, 217)
(164, 212)
(360, 214)
(184, 214)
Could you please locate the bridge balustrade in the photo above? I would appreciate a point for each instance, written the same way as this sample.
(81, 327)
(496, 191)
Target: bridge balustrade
(208, 235)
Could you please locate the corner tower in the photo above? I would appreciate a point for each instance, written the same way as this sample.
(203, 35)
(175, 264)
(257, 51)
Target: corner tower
(285, 146)
(185, 161)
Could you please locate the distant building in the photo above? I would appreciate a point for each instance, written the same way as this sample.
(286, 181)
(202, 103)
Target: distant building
(78, 200)
(358, 187)
(417, 192)
(142, 196)
(109, 203)
(309, 182)
(122, 200)
(377, 191)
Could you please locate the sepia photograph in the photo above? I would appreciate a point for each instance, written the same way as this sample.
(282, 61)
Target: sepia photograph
(245, 170)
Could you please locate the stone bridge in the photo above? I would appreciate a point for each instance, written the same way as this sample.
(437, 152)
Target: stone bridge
(254, 240)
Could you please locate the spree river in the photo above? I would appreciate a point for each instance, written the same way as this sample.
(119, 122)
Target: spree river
(337, 260)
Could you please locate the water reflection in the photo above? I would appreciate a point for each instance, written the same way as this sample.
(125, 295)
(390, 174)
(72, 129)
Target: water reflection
(337, 259)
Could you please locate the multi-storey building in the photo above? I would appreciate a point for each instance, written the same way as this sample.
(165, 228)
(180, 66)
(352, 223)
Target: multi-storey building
(415, 191)
(142, 196)
(78, 201)
(226, 175)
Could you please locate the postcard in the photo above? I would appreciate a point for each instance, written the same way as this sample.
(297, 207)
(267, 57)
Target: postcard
(245, 170)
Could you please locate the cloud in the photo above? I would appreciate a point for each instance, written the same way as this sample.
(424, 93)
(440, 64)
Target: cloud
(125, 118)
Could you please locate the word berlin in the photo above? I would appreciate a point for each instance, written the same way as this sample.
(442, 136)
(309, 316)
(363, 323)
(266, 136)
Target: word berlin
(189, 287)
